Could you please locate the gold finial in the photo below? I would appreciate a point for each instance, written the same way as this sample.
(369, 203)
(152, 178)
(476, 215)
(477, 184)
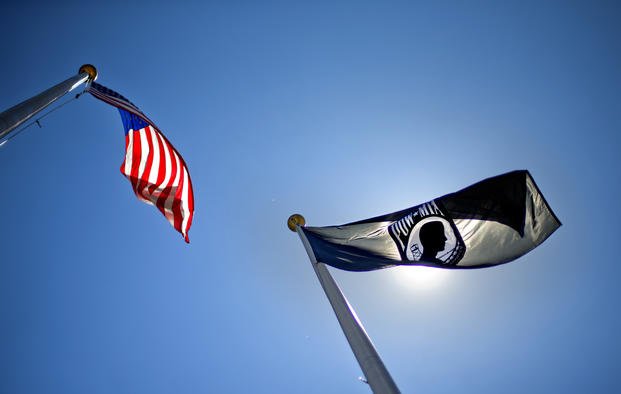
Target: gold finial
(90, 70)
(295, 220)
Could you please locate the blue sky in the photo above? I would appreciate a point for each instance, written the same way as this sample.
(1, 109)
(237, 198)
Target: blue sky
(340, 111)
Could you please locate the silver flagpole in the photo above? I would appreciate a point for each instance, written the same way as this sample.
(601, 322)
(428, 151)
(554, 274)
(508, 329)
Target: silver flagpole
(376, 374)
(20, 113)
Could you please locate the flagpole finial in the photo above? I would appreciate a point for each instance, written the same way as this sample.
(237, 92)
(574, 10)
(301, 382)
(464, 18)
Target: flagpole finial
(295, 220)
(90, 70)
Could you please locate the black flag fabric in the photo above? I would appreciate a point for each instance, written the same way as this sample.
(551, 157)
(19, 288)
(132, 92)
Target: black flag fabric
(491, 222)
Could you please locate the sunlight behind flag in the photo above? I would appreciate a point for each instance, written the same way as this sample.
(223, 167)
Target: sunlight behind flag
(419, 278)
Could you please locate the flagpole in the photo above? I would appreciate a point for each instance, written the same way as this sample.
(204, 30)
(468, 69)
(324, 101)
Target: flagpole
(376, 374)
(20, 113)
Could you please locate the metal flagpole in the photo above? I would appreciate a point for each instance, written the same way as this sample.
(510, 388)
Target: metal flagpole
(18, 114)
(375, 372)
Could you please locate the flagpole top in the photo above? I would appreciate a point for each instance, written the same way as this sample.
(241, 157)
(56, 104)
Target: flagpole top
(90, 70)
(295, 220)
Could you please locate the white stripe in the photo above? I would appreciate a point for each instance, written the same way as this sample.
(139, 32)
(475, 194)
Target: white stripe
(177, 181)
(110, 98)
(155, 164)
(151, 136)
(144, 149)
(116, 102)
(129, 153)
(167, 167)
(169, 201)
(171, 197)
(124, 105)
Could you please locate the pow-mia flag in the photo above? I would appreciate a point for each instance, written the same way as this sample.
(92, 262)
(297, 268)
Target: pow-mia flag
(491, 222)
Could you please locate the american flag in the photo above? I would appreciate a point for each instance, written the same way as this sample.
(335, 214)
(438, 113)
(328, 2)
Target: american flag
(156, 171)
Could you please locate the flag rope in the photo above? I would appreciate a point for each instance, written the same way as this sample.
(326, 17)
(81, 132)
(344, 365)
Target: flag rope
(36, 121)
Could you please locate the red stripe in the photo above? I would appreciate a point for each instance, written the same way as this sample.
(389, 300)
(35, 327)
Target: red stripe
(161, 200)
(177, 201)
(175, 190)
(136, 156)
(190, 212)
(121, 104)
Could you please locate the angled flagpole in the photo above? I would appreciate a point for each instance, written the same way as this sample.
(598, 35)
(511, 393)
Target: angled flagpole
(376, 374)
(20, 113)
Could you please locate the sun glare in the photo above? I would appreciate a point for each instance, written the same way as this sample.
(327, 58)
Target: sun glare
(420, 278)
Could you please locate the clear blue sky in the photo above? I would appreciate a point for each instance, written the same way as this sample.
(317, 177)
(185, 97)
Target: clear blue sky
(340, 111)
